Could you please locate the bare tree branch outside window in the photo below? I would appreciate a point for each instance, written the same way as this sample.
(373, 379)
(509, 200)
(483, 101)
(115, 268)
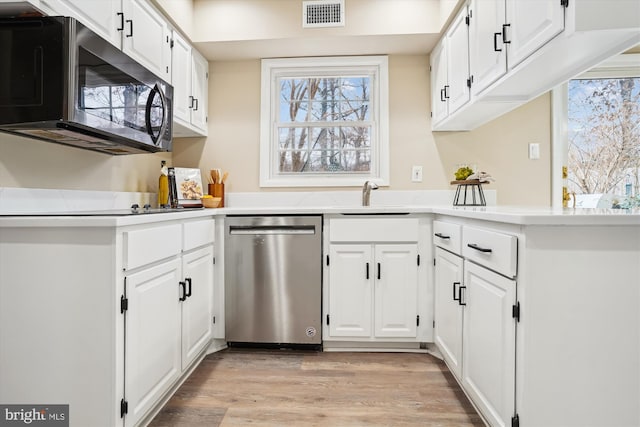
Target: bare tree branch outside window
(604, 136)
(324, 125)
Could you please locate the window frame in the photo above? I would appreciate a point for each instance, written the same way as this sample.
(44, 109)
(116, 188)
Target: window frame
(273, 69)
(623, 65)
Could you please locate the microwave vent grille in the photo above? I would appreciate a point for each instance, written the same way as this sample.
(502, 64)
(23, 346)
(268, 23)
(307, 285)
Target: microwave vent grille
(322, 13)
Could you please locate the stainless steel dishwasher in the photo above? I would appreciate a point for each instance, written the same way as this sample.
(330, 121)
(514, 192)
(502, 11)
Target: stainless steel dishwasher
(273, 280)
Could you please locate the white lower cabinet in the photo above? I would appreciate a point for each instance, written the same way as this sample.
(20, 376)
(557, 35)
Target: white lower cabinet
(373, 290)
(197, 324)
(350, 291)
(124, 311)
(376, 288)
(449, 311)
(152, 336)
(396, 290)
(489, 342)
(475, 328)
(550, 320)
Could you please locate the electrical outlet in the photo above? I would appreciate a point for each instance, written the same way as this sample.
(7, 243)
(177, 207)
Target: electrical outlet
(534, 151)
(416, 174)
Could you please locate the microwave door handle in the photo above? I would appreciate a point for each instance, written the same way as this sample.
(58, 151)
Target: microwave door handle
(163, 125)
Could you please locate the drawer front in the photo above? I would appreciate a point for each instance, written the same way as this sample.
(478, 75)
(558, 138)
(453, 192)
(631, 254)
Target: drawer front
(374, 230)
(151, 244)
(198, 233)
(496, 251)
(448, 236)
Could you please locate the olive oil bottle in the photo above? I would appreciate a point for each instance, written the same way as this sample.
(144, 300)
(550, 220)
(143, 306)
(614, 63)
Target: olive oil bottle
(163, 185)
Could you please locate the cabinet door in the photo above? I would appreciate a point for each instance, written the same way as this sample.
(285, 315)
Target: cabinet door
(197, 270)
(152, 336)
(439, 105)
(532, 23)
(396, 290)
(350, 290)
(448, 311)
(102, 17)
(458, 57)
(488, 59)
(200, 91)
(181, 80)
(147, 37)
(489, 342)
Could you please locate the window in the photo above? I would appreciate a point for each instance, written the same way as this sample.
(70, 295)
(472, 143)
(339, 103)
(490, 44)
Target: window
(604, 136)
(324, 122)
(596, 133)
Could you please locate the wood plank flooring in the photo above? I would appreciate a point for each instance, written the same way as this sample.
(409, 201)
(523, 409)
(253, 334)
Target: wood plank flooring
(240, 387)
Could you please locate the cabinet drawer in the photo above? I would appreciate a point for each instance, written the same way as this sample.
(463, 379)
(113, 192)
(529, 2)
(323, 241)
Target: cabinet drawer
(447, 235)
(151, 244)
(374, 230)
(496, 251)
(198, 233)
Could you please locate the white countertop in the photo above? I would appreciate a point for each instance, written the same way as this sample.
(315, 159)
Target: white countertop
(25, 207)
(504, 214)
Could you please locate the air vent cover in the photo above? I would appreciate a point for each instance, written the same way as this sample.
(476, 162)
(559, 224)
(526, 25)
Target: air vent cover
(323, 13)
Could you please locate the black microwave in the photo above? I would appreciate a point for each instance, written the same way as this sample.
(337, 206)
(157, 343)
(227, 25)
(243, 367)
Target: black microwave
(61, 82)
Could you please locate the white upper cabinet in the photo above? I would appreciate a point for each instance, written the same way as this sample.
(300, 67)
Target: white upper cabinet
(190, 89)
(519, 49)
(505, 32)
(200, 90)
(488, 58)
(147, 37)
(529, 25)
(439, 104)
(458, 62)
(181, 79)
(450, 68)
(105, 17)
(134, 26)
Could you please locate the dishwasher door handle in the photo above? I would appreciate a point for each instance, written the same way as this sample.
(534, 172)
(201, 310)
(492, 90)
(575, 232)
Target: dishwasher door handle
(263, 230)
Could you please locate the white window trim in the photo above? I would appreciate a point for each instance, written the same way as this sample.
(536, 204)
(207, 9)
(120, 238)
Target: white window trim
(274, 68)
(623, 65)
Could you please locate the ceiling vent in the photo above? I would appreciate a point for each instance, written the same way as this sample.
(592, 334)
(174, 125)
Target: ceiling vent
(322, 13)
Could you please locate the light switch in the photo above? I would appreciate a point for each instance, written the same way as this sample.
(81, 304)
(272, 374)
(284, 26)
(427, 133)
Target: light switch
(534, 151)
(416, 174)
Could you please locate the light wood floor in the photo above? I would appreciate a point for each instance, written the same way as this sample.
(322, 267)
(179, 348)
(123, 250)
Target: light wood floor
(240, 387)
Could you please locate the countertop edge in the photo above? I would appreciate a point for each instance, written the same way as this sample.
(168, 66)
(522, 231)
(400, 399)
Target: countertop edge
(504, 214)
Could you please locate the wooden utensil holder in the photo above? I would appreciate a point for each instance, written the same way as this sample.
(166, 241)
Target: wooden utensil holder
(217, 190)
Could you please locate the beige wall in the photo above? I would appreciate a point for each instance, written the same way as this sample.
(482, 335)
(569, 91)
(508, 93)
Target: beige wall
(225, 20)
(499, 147)
(29, 163)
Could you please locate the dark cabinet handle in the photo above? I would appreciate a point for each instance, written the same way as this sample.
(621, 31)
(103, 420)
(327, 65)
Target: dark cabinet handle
(504, 34)
(195, 100)
(442, 236)
(188, 293)
(191, 98)
(183, 285)
(460, 296)
(442, 95)
(454, 292)
(446, 91)
(378, 271)
(130, 22)
(367, 271)
(121, 15)
(495, 42)
(478, 248)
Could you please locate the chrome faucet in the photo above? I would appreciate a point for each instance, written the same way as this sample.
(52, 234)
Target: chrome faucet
(366, 192)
